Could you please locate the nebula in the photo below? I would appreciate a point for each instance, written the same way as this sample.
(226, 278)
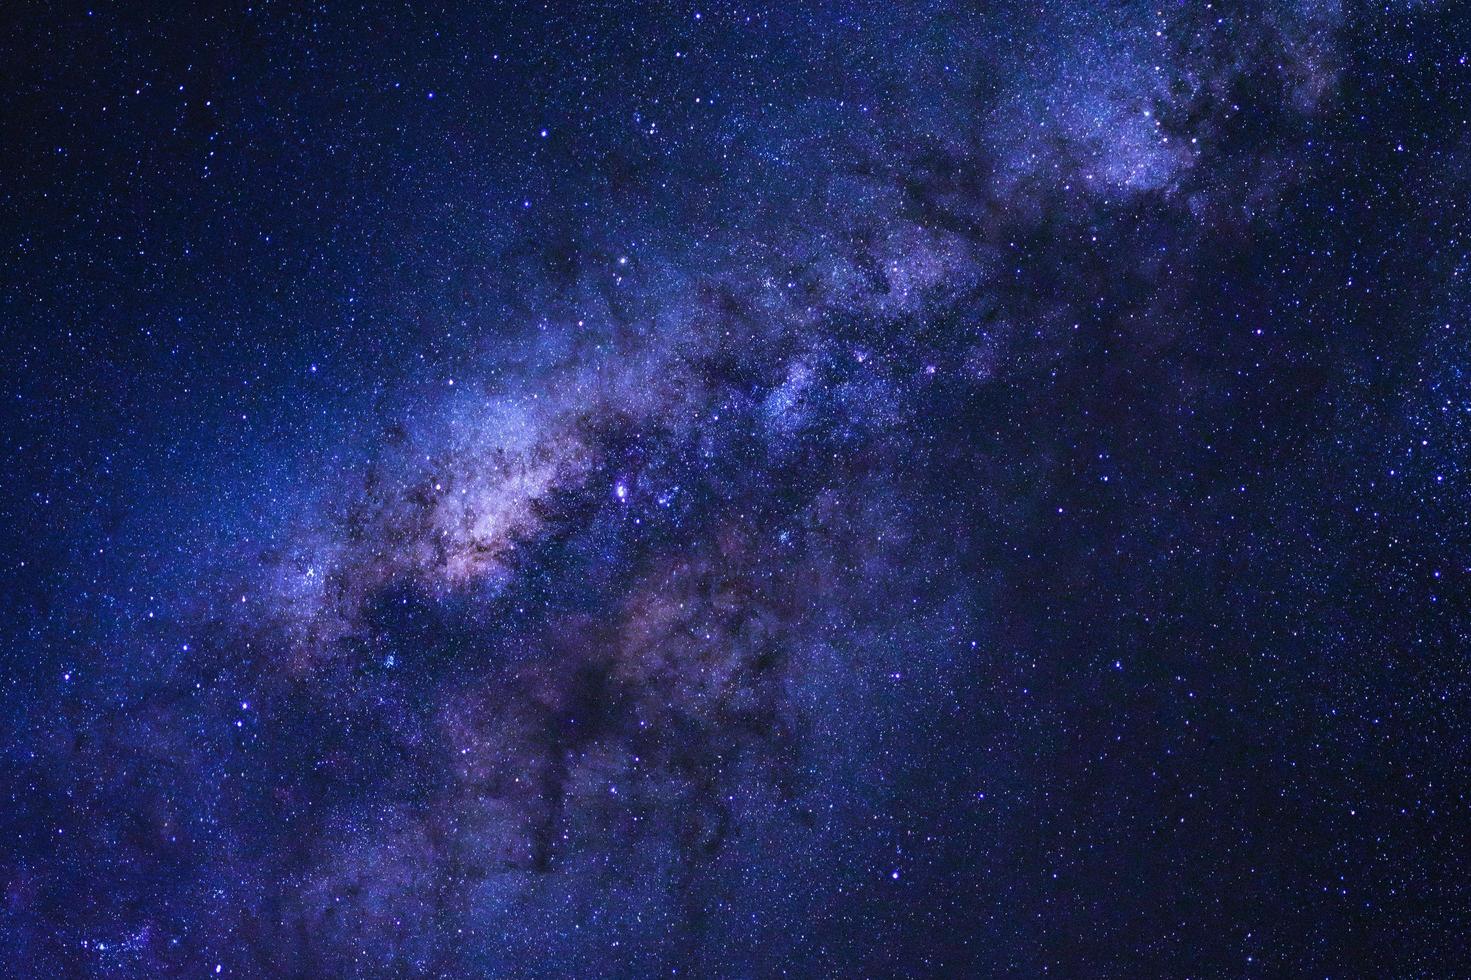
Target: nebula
(856, 489)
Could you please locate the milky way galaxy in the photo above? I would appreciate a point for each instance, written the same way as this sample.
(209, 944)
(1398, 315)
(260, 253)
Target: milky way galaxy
(837, 489)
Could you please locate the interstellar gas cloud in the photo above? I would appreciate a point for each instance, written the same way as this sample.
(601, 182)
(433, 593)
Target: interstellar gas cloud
(819, 489)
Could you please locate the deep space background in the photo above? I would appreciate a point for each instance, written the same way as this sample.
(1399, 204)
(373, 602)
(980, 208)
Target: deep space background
(735, 489)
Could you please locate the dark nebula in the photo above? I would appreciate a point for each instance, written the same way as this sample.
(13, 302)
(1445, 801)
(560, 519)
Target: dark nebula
(851, 489)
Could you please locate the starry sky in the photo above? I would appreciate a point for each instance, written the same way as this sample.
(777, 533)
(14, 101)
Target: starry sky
(856, 488)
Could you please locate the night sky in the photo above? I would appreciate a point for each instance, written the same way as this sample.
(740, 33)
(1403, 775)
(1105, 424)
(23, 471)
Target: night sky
(853, 489)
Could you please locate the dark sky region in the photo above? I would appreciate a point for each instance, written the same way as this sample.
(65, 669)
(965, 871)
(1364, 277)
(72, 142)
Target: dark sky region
(835, 489)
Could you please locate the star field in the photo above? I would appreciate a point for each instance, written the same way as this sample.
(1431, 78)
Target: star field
(886, 489)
